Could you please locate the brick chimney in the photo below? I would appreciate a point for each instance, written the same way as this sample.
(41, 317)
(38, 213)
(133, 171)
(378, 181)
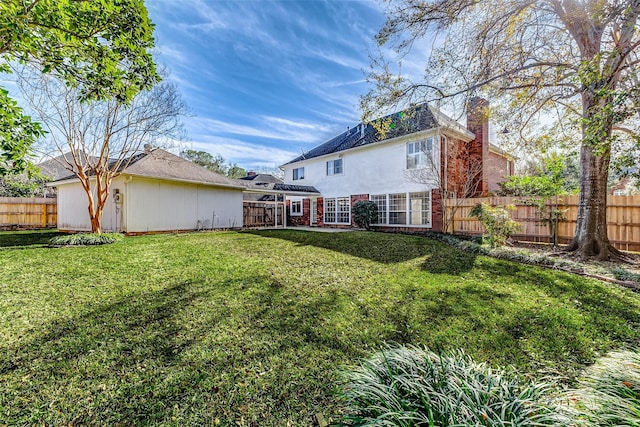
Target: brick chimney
(252, 173)
(478, 124)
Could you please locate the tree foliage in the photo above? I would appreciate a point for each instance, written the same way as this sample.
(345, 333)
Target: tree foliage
(574, 60)
(553, 178)
(215, 163)
(100, 48)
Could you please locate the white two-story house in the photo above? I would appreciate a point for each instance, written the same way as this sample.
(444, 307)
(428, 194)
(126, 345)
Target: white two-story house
(405, 169)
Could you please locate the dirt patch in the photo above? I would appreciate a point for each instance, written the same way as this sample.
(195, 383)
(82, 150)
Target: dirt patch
(592, 267)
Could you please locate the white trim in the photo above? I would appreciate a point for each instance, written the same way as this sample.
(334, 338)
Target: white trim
(337, 212)
(407, 209)
(159, 178)
(297, 202)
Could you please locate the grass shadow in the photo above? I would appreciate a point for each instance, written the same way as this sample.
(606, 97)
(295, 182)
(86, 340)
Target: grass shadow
(383, 248)
(102, 359)
(26, 239)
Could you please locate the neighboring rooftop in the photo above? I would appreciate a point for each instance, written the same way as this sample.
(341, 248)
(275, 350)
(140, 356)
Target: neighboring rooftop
(261, 177)
(414, 119)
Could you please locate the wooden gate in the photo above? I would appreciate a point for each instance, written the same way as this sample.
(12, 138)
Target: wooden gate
(262, 214)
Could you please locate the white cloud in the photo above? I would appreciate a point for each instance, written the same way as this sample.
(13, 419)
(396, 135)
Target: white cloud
(269, 128)
(245, 154)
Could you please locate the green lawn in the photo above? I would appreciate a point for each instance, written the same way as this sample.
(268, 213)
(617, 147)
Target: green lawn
(250, 328)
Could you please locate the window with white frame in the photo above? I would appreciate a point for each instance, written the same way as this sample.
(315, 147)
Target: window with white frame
(418, 153)
(398, 208)
(296, 208)
(298, 173)
(344, 210)
(334, 167)
(381, 202)
(337, 210)
(411, 209)
(329, 210)
(420, 208)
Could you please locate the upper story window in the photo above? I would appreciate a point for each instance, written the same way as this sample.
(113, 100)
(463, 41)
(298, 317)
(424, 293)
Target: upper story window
(419, 153)
(298, 173)
(334, 167)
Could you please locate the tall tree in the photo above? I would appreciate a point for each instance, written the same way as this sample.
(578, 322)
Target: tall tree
(215, 163)
(574, 58)
(98, 139)
(101, 48)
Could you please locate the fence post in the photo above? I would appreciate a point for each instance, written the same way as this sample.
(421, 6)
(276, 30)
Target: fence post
(43, 217)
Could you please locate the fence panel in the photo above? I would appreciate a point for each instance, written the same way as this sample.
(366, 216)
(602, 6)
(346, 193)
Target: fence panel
(262, 214)
(28, 213)
(623, 218)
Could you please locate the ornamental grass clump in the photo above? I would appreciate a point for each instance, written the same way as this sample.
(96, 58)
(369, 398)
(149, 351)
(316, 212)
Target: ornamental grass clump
(86, 239)
(609, 392)
(409, 386)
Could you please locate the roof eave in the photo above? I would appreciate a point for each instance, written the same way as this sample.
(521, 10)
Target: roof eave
(211, 184)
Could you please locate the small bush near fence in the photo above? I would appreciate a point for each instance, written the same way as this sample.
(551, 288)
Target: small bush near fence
(496, 222)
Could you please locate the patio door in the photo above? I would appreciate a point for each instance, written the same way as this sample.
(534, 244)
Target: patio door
(314, 212)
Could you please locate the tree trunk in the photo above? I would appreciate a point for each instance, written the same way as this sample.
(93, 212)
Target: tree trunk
(95, 213)
(591, 237)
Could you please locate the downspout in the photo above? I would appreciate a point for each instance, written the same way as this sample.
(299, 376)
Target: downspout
(125, 224)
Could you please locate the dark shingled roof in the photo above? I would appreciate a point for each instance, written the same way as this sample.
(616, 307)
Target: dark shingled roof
(56, 168)
(414, 119)
(278, 186)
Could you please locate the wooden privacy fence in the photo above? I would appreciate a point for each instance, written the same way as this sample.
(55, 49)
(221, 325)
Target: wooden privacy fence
(623, 219)
(262, 214)
(28, 213)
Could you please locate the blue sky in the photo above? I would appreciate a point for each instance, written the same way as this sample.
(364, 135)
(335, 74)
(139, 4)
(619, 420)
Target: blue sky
(266, 79)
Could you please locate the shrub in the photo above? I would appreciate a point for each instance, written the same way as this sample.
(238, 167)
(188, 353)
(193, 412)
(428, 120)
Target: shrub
(364, 213)
(496, 222)
(621, 273)
(86, 239)
(408, 386)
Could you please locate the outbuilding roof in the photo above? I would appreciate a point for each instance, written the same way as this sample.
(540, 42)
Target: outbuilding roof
(158, 163)
(414, 119)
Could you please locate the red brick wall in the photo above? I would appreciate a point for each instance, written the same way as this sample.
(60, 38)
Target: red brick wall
(320, 212)
(436, 210)
(478, 123)
(497, 168)
(305, 219)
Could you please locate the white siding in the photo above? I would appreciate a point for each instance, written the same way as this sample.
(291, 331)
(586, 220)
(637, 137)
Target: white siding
(154, 205)
(376, 169)
(73, 212)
